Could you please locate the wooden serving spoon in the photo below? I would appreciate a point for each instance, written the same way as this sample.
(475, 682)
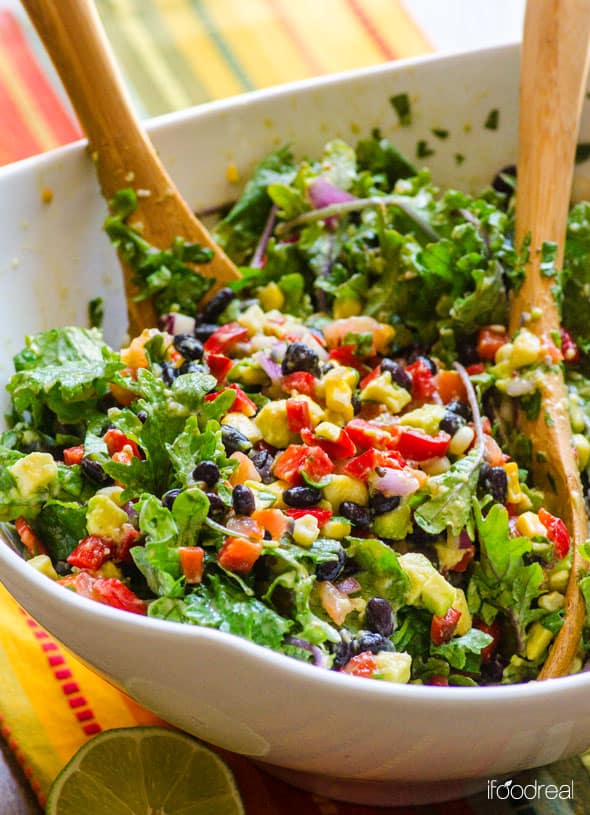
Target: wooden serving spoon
(553, 81)
(75, 40)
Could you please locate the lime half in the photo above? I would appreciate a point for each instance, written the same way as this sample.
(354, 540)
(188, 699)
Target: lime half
(144, 771)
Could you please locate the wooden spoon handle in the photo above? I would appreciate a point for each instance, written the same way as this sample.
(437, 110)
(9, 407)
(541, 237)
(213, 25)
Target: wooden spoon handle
(553, 80)
(76, 42)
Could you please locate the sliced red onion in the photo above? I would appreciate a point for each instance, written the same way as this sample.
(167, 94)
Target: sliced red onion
(277, 351)
(318, 658)
(258, 255)
(271, 369)
(464, 540)
(176, 323)
(349, 585)
(322, 193)
(395, 482)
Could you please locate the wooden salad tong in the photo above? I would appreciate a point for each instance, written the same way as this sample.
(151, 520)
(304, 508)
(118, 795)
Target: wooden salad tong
(75, 40)
(554, 67)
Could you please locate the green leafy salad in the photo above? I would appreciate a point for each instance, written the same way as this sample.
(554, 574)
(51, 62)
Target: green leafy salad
(322, 457)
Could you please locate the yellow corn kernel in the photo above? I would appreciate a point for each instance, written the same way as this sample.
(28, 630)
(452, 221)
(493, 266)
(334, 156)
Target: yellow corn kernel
(232, 174)
(503, 353)
(461, 440)
(253, 320)
(328, 431)
(305, 530)
(337, 529)
(271, 297)
(526, 349)
(341, 373)
(43, 564)
(529, 525)
(344, 488)
(552, 601)
(271, 421)
(514, 491)
(109, 569)
(244, 424)
(382, 389)
(338, 397)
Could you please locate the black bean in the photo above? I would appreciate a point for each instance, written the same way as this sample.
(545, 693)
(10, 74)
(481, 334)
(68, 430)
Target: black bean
(399, 375)
(371, 641)
(467, 353)
(417, 357)
(216, 305)
(62, 567)
(380, 504)
(141, 415)
(379, 616)
(191, 367)
(234, 441)
(357, 514)
(342, 654)
(460, 408)
(169, 373)
(188, 345)
(493, 480)
(169, 497)
(300, 357)
(301, 497)
(492, 671)
(204, 331)
(451, 422)
(94, 472)
(106, 402)
(207, 471)
(263, 461)
(500, 184)
(216, 506)
(331, 569)
(243, 500)
(356, 404)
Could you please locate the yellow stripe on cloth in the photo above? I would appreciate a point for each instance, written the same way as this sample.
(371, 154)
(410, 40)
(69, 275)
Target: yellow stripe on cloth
(26, 104)
(50, 702)
(397, 28)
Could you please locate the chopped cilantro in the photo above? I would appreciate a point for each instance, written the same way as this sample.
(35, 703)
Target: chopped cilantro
(492, 120)
(402, 106)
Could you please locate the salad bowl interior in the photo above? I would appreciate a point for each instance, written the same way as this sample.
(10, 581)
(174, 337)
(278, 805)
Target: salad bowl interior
(366, 741)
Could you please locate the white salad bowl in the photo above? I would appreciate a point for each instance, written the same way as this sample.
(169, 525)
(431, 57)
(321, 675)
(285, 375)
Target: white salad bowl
(353, 739)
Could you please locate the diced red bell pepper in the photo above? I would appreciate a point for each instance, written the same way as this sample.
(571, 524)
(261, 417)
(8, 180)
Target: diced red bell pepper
(345, 355)
(225, 337)
(322, 516)
(343, 447)
(239, 554)
(242, 403)
(369, 377)
(423, 382)
(361, 466)
(91, 553)
(418, 446)
(556, 532)
(80, 582)
(297, 458)
(116, 440)
(367, 435)
(363, 664)
(462, 565)
(219, 365)
(300, 381)
(192, 559)
(32, 542)
(298, 415)
(442, 628)
(495, 631)
(113, 592)
(569, 347)
(438, 680)
(475, 369)
(489, 341)
(73, 455)
(130, 539)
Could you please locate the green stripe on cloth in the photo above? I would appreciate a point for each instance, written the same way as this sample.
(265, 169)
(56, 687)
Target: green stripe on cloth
(200, 7)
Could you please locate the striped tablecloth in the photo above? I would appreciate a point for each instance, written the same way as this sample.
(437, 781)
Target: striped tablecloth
(177, 53)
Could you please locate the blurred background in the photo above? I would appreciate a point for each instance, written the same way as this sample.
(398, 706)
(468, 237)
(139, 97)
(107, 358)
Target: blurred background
(178, 53)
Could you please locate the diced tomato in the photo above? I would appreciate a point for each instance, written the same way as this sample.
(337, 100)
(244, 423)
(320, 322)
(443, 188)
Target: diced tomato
(345, 355)
(297, 458)
(91, 553)
(569, 347)
(361, 466)
(192, 559)
(363, 664)
(74, 455)
(80, 582)
(245, 471)
(438, 680)
(550, 351)
(130, 538)
(489, 340)
(246, 527)
(486, 425)
(219, 365)
(495, 631)
(475, 369)
(32, 542)
(369, 377)
(113, 592)
(274, 521)
(366, 435)
(116, 440)
(423, 382)
(300, 381)
(462, 565)
(418, 446)
(225, 337)
(450, 386)
(239, 555)
(242, 403)
(124, 456)
(442, 628)
(122, 395)
(556, 532)
(343, 447)
(298, 415)
(322, 516)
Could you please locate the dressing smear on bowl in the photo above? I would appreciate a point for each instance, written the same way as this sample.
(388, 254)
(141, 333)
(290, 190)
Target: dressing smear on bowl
(322, 459)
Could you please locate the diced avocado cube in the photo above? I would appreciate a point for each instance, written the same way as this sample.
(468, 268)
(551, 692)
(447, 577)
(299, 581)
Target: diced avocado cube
(538, 640)
(437, 594)
(427, 586)
(427, 418)
(345, 488)
(33, 473)
(465, 620)
(396, 524)
(104, 518)
(393, 667)
(43, 564)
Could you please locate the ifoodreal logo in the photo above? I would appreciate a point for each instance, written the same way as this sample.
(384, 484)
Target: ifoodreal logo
(535, 790)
